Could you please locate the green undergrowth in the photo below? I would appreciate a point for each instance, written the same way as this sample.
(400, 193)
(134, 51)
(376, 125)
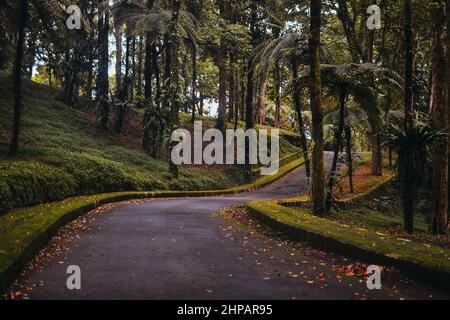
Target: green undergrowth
(376, 242)
(384, 221)
(63, 154)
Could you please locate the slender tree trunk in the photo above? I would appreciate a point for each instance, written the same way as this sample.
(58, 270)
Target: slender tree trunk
(298, 109)
(236, 94)
(200, 107)
(149, 147)
(194, 80)
(139, 66)
(242, 91)
(231, 85)
(185, 76)
(377, 155)
(103, 81)
(31, 53)
(348, 140)
(221, 116)
(262, 101)
(439, 192)
(447, 85)
(133, 68)
(174, 83)
(148, 70)
(337, 147)
(409, 183)
(249, 116)
(155, 66)
(23, 18)
(318, 183)
(277, 79)
(90, 76)
(277, 83)
(125, 90)
(118, 38)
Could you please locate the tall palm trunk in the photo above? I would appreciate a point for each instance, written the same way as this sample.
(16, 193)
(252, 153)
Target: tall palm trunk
(377, 155)
(337, 147)
(277, 78)
(447, 81)
(221, 64)
(249, 116)
(221, 116)
(103, 81)
(155, 65)
(348, 140)
(18, 76)
(298, 109)
(277, 85)
(124, 90)
(262, 101)
(194, 80)
(133, 68)
(440, 116)
(318, 180)
(409, 181)
(118, 39)
(139, 66)
(231, 89)
(237, 94)
(148, 70)
(174, 87)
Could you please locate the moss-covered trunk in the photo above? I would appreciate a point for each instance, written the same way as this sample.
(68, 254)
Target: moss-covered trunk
(440, 117)
(337, 147)
(298, 110)
(318, 179)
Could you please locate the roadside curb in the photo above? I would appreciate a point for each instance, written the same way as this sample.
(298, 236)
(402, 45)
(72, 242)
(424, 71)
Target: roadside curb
(325, 235)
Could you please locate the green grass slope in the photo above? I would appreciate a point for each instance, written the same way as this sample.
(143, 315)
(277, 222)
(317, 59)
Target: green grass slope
(63, 154)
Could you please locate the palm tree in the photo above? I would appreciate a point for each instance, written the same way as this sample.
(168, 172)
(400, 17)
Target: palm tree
(290, 50)
(18, 76)
(365, 83)
(414, 150)
(357, 119)
(315, 88)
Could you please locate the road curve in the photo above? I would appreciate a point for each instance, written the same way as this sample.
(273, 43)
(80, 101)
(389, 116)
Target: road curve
(184, 249)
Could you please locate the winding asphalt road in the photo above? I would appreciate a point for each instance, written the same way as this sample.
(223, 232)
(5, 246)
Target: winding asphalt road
(184, 249)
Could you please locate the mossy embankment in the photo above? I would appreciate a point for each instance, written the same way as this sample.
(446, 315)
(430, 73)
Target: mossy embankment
(63, 154)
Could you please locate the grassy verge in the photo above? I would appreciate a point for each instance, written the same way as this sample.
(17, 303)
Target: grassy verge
(24, 232)
(426, 263)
